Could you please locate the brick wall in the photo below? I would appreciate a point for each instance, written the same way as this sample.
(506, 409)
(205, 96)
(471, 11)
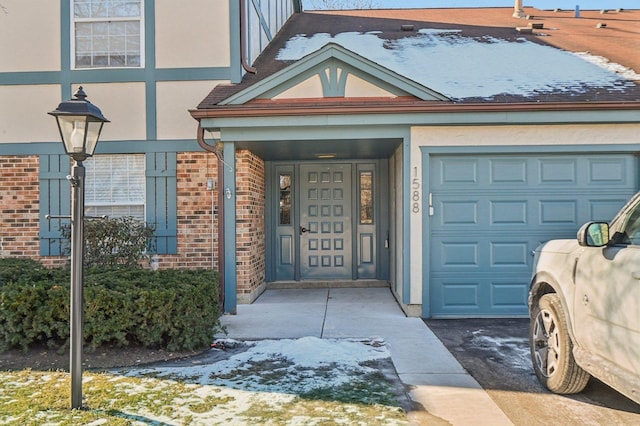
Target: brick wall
(197, 226)
(197, 246)
(250, 225)
(19, 206)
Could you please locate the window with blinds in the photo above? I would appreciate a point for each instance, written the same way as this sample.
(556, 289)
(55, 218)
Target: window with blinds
(115, 186)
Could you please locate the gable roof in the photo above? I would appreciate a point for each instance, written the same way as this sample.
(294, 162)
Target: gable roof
(432, 46)
(328, 60)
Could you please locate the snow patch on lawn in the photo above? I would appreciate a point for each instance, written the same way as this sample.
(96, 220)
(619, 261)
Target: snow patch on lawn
(292, 366)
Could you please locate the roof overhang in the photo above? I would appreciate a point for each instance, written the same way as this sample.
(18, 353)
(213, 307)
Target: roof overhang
(610, 111)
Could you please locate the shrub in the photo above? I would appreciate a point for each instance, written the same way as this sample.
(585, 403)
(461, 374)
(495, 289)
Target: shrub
(29, 270)
(114, 241)
(176, 310)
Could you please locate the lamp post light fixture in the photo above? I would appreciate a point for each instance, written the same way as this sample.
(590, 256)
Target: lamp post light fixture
(80, 123)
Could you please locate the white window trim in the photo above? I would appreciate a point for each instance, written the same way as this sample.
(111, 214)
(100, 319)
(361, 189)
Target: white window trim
(73, 37)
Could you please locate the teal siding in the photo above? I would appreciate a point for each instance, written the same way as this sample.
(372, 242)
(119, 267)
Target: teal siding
(55, 200)
(162, 200)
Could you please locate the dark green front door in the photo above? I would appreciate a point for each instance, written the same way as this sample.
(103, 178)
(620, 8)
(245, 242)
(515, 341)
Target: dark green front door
(325, 222)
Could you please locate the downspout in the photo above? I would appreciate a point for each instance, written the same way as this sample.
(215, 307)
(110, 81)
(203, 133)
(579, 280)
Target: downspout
(243, 38)
(220, 172)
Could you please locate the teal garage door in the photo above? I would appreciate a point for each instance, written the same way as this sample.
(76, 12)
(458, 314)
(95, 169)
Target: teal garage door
(489, 213)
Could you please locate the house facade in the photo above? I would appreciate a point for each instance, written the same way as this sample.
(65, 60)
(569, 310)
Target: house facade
(325, 149)
(434, 149)
(145, 64)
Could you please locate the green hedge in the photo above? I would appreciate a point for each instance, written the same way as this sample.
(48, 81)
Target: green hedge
(172, 309)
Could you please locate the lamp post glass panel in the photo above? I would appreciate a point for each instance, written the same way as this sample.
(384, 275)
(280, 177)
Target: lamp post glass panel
(80, 123)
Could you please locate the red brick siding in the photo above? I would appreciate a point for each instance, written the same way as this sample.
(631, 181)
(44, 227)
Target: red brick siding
(197, 246)
(250, 223)
(197, 229)
(19, 206)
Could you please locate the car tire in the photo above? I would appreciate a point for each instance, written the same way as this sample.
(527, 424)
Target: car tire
(552, 348)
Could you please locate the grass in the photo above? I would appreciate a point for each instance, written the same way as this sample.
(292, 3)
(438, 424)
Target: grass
(33, 398)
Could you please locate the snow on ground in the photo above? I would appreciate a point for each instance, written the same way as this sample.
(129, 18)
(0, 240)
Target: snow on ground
(466, 67)
(295, 366)
(512, 350)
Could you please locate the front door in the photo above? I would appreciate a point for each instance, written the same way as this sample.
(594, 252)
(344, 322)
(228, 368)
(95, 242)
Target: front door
(325, 222)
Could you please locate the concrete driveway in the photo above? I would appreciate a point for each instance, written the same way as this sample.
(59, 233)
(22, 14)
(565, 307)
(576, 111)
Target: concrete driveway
(496, 353)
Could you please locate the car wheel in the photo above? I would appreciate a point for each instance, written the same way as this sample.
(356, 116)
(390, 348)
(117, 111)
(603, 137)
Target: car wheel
(552, 348)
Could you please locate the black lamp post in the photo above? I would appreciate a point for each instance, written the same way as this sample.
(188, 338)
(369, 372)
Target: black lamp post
(80, 123)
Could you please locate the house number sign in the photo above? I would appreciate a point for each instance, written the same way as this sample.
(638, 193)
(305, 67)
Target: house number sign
(415, 191)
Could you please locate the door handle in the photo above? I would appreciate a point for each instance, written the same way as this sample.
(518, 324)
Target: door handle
(303, 230)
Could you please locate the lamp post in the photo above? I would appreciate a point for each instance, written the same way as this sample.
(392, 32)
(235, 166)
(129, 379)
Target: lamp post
(80, 123)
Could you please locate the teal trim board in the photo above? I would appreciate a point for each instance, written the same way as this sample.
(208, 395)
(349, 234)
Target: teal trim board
(103, 147)
(231, 286)
(234, 41)
(65, 49)
(406, 213)
(426, 235)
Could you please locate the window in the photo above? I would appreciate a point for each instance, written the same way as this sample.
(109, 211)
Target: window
(108, 33)
(631, 234)
(115, 186)
(366, 198)
(285, 199)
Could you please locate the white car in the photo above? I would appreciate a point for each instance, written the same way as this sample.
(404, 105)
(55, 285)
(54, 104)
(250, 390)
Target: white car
(584, 304)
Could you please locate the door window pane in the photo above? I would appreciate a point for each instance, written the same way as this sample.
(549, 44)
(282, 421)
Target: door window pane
(285, 199)
(366, 197)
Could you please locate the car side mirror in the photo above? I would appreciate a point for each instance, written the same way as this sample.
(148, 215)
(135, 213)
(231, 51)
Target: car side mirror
(594, 234)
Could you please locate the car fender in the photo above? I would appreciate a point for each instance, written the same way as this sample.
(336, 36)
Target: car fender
(553, 273)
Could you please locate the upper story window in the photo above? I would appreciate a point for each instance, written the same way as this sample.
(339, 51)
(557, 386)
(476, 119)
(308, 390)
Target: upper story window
(108, 33)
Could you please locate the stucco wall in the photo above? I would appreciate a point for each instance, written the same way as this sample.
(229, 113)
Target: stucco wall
(29, 35)
(175, 99)
(23, 113)
(205, 44)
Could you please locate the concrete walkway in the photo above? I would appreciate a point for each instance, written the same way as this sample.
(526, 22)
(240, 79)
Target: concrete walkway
(435, 378)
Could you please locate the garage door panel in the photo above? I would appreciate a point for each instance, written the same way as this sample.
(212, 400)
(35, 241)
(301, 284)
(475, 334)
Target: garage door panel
(558, 172)
(609, 171)
(604, 209)
(510, 254)
(491, 212)
(456, 213)
(507, 211)
(509, 171)
(558, 212)
(462, 171)
(481, 296)
(464, 254)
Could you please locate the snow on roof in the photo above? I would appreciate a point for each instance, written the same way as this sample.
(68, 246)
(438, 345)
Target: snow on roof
(461, 67)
